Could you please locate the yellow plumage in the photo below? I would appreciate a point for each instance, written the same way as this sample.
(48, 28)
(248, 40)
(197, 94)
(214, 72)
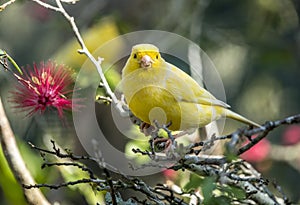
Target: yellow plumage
(157, 90)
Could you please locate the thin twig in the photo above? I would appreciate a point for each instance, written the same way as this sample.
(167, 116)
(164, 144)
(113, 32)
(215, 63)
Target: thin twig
(109, 184)
(58, 153)
(264, 130)
(57, 186)
(3, 6)
(46, 5)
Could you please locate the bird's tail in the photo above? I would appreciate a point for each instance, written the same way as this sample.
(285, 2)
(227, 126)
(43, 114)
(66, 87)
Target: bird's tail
(240, 118)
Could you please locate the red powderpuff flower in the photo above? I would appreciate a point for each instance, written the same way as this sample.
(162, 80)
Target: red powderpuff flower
(44, 86)
(258, 152)
(170, 174)
(291, 135)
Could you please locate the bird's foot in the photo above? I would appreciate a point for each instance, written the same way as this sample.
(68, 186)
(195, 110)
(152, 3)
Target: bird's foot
(147, 129)
(161, 144)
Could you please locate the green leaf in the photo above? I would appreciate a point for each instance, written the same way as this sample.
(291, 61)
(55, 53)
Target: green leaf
(194, 183)
(11, 189)
(220, 200)
(3, 54)
(13, 62)
(208, 186)
(234, 192)
(230, 155)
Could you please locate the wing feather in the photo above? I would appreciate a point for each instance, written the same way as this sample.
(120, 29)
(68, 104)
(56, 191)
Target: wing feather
(187, 89)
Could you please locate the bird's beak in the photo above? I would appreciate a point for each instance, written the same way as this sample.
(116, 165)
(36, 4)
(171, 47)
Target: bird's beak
(146, 61)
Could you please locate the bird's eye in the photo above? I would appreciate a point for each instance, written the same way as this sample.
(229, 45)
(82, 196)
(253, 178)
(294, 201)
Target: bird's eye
(156, 56)
(135, 56)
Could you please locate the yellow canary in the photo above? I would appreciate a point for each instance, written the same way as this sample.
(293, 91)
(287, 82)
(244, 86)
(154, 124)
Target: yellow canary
(157, 90)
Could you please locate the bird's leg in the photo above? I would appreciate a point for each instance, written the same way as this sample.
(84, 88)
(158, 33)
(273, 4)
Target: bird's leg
(147, 129)
(163, 144)
(160, 143)
(171, 140)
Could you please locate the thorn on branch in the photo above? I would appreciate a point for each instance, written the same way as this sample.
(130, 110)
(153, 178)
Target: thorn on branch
(104, 99)
(100, 60)
(101, 85)
(80, 51)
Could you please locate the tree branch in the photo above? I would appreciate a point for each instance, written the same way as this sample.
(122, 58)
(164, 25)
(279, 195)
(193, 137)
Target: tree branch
(16, 163)
(228, 171)
(264, 130)
(253, 185)
(109, 183)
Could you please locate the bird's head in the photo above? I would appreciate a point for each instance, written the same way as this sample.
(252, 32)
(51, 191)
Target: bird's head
(144, 56)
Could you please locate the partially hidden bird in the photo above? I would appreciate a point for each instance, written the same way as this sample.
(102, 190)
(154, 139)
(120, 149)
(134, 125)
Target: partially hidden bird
(159, 92)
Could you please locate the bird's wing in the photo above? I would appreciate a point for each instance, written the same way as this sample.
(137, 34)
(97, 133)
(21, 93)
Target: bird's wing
(186, 89)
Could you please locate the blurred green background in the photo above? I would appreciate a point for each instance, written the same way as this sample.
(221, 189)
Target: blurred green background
(255, 45)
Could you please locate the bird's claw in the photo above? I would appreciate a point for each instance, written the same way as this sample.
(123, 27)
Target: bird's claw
(147, 129)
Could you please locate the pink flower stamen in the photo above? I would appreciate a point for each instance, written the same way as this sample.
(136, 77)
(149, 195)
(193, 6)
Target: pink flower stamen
(43, 87)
